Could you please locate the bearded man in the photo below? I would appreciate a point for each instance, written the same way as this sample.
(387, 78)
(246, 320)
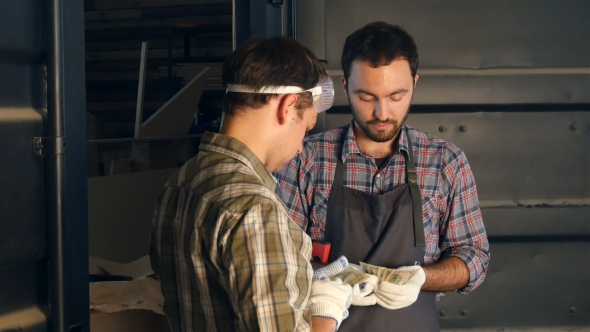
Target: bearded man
(384, 193)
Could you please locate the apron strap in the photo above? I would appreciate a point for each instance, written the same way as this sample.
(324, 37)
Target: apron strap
(412, 179)
(339, 174)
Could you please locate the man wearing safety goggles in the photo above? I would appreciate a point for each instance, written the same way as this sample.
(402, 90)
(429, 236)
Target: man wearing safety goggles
(227, 253)
(402, 202)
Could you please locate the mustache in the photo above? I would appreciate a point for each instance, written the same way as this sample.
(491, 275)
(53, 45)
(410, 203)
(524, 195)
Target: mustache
(380, 122)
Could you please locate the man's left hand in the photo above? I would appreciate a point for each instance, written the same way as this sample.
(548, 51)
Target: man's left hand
(392, 296)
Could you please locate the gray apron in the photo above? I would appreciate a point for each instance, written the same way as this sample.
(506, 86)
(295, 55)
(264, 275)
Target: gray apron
(384, 230)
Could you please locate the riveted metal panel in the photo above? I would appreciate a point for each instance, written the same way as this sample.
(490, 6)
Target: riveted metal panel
(533, 285)
(473, 34)
(471, 52)
(516, 156)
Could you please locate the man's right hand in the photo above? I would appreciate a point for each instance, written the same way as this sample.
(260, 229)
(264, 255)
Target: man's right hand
(392, 296)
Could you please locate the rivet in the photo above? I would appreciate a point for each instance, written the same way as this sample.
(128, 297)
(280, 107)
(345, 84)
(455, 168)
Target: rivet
(573, 127)
(442, 312)
(573, 310)
(463, 129)
(442, 129)
(464, 312)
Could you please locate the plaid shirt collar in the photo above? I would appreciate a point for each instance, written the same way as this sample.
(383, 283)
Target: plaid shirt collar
(351, 146)
(233, 148)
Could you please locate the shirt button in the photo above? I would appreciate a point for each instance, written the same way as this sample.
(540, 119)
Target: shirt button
(378, 175)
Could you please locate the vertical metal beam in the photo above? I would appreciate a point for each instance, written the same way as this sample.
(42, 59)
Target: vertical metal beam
(55, 165)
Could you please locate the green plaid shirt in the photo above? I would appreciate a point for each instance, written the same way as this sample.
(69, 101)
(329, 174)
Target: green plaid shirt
(228, 255)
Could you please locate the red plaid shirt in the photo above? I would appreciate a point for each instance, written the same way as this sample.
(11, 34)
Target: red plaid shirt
(453, 224)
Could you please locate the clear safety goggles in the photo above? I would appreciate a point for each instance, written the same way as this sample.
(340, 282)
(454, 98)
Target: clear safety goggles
(322, 93)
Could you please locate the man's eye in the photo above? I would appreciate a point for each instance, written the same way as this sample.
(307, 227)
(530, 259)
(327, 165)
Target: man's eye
(365, 98)
(396, 97)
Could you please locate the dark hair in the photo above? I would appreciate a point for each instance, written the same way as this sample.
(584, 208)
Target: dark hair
(379, 43)
(276, 61)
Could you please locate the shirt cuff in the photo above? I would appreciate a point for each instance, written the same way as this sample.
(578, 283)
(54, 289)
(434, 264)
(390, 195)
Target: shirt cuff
(477, 264)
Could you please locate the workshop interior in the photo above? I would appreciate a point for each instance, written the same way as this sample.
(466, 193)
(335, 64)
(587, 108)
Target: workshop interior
(101, 101)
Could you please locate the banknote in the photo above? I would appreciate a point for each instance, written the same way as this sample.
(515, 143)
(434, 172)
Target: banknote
(399, 277)
(351, 276)
(389, 275)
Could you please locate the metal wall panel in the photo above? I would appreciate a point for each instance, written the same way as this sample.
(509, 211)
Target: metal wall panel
(28, 292)
(471, 52)
(23, 256)
(473, 34)
(518, 158)
(539, 285)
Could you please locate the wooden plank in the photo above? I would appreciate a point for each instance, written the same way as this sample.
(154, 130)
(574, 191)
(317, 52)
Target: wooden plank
(104, 96)
(158, 22)
(119, 4)
(98, 108)
(117, 106)
(215, 71)
(223, 39)
(174, 118)
(116, 75)
(153, 33)
(121, 65)
(190, 10)
(159, 53)
(155, 12)
(141, 88)
(131, 85)
(112, 14)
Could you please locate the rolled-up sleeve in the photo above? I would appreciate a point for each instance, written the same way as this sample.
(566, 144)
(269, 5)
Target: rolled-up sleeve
(465, 235)
(269, 275)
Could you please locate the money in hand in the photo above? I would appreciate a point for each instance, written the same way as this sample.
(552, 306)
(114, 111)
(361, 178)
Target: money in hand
(389, 275)
(351, 276)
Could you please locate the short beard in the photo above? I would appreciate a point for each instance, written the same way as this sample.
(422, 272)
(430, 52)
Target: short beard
(379, 136)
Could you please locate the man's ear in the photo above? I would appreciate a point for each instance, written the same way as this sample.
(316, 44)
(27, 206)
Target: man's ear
(416, 80)
(286, 108)
(344, 84)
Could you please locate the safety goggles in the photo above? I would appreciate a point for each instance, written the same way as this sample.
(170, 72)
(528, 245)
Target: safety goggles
(322, 93)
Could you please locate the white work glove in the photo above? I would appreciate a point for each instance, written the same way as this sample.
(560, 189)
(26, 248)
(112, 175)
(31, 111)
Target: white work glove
(331, 269)
(361, 294)
(392, 296)
(330, 299)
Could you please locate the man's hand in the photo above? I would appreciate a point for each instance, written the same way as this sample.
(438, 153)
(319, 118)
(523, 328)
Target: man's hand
(331, 269)
(330, 299)
(392, 296)
(361, 294)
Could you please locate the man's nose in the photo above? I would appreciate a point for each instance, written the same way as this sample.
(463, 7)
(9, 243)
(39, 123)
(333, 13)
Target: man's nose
(381, 110)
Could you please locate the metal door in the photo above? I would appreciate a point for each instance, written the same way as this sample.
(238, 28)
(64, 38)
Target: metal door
(43, 204)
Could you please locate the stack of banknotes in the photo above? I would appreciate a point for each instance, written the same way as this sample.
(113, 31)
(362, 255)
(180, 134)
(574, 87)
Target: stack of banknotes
(353, 274)
(389, 275)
